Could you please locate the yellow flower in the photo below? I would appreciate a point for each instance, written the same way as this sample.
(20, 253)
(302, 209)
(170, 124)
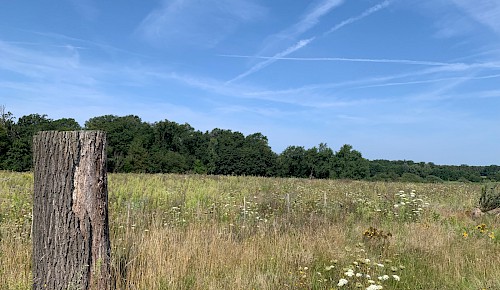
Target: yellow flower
(465, 234)
(492, 235)
(481, 228)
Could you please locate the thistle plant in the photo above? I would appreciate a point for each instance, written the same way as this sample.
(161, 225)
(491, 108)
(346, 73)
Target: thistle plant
(490, 197)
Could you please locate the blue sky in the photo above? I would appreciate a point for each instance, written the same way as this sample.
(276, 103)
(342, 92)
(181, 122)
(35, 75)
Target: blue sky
(401, 79)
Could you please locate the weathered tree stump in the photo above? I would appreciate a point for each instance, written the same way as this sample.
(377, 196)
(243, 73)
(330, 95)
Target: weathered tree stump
(71, 248)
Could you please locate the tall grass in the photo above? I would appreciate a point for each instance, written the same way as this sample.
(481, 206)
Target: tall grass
(217, 232)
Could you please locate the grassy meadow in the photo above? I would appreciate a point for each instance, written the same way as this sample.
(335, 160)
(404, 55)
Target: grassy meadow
(229, 232)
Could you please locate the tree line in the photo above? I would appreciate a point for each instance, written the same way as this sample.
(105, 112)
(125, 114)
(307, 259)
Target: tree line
(169, 147)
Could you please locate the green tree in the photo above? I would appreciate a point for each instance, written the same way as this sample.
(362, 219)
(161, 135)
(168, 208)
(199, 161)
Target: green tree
(19, 156)
(319, 161)
(182, 143)
(225, 151)
(65, 124)
(6, 124)
(292, 162)
(350, 164)
(257, 157)
(137, 158)
(124, 134)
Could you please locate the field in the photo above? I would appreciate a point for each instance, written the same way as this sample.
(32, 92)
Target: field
(229, 232)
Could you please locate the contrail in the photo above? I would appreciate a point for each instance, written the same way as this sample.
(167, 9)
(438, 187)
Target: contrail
(359, 17)
(302, 26)
(313, 17)
(305, 42)
(383, 60)
(269, 61)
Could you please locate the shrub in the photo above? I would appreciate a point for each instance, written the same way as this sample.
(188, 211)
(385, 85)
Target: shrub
(433, 179)
(490, 197)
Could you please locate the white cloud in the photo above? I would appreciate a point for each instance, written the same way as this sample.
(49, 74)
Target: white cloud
(365, 13)
(308, 21)
(197, 22)
(398, 61)
(273, 59)
(86, 8)
(59, 64)
(312, 18)
(486, 12)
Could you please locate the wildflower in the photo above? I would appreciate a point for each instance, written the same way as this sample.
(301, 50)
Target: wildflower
(374, 287)
(349, 273)
(328, 268)
(383, 278)
(371, 281)
(491, 235)
(465, 234)
(342, 282)
(359, 275)
(380, 265)
(396, 277)
(481, 228)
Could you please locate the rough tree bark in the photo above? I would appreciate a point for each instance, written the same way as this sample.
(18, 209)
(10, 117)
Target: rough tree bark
(71, 248)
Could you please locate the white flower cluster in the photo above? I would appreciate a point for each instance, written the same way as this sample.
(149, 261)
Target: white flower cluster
(357, 274)
(409, 206)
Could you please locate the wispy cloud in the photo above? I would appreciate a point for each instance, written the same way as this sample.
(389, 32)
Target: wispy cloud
(486, 12)
(271, 60)
(86, 8)
(307, 21)
(51, 39)
(460, 79)
(397, 61)
(310, 19)
(366, 13)
(202, 23)
(451, 72)
(314, 15)
(34, 63)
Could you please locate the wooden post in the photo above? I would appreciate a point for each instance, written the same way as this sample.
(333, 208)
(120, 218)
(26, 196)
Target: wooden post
(71, 248)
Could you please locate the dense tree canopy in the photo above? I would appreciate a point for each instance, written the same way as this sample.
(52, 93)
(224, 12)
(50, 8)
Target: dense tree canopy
(169, 147)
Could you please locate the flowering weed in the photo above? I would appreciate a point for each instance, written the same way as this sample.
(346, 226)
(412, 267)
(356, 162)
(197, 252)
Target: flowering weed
(360, 272)
(480, 231)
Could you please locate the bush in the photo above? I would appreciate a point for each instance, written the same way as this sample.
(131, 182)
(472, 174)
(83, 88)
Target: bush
(410, 177)
(433, 179)
(490, 197)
